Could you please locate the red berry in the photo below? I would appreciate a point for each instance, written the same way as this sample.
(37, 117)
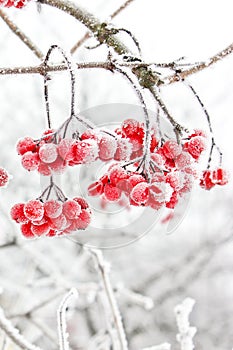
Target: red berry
(140, 193)
(17, 213)
(171, 149)
(124, 150)
(25, 145)
(195, 146)
(44, 169)
(26, 230)
(117, 174)
(4, 177)
(65, 149)
(134, 179)
(40, 230)
(220, 177)
(173, 179)
(58, 166)
(173, 201)
(130, 127)
(107, 147)
(183, 160)
(111, 192)
(85, 151)
(95, 188)
(89, 134)
(59, 223)
(30, 161)
(34, 210)
(49, 135)
(53, 208)
(82, 202)
(71, 209)
(83, 221)
(48, 153)
(206, 181)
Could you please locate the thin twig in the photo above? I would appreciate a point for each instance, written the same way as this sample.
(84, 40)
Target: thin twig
(14, 335)
(61, 319)
(185, 73)
(104, 272)
(25, 39)
(87, 35)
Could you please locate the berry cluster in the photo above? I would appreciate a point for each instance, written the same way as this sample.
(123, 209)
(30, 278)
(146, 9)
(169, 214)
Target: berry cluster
(173, 170)
(13, 3)
(51, 218)
(210, 178)
(4, 177)
(50, 155)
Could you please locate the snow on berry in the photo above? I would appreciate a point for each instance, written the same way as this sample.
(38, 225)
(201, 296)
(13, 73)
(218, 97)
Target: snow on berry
(40, 230)
(4, 177)
(183, 160)
(58, 166)
(48, 153)
(111, 192)
(171, 149)
(26, 230)
(124, 150)
(59, 223)
(82, 202)
(220, 177)
(83, 221)
(71, 209)
(117, 174)
(34, 210)
(25, 145)
(195, 146)
(30, 161)
(65, 149)
(107, 147)
(44, 169)
(53, 208)
(85, 151)
(96, 188)
(17, 213)
(140, 193)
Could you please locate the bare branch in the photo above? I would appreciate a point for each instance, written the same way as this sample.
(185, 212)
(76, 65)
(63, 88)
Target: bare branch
(25, 39)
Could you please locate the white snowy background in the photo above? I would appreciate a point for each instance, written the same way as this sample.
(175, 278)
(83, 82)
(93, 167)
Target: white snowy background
(196, 259)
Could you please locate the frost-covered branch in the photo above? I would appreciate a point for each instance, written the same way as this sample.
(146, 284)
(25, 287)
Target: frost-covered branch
(61, 320)
(186, 333)
(14, 335)
(103, 268)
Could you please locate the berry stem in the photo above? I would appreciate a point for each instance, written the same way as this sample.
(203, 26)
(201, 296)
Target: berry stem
(47, 78)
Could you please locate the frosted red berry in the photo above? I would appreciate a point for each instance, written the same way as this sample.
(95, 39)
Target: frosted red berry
(30, 161)
(48, 153)
(171, 149)
(25, 145)
(34, 210)
(40, 230)
(71, 209)
(111, 192)
(95, 188)
(17, 213)
(4, 177)
(140, 193)
(195, 146)
(26, 230)
(107, 147)
(53, 208)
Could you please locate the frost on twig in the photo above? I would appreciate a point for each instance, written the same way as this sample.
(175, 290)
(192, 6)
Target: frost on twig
(136, 298)
(14, 335)
(164, 346)
(117, 319)
(61, 320)
(186, 333)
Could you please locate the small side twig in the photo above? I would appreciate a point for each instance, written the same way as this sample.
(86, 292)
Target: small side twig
(61, 320)
(14, 335)
(22, 36)
(186, 333)
(104, 272)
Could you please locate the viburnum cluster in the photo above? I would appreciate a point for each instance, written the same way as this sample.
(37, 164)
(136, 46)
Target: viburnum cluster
(153, 175)
(52, 217)
(172, 170)
(52, 154)
(14, 3)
